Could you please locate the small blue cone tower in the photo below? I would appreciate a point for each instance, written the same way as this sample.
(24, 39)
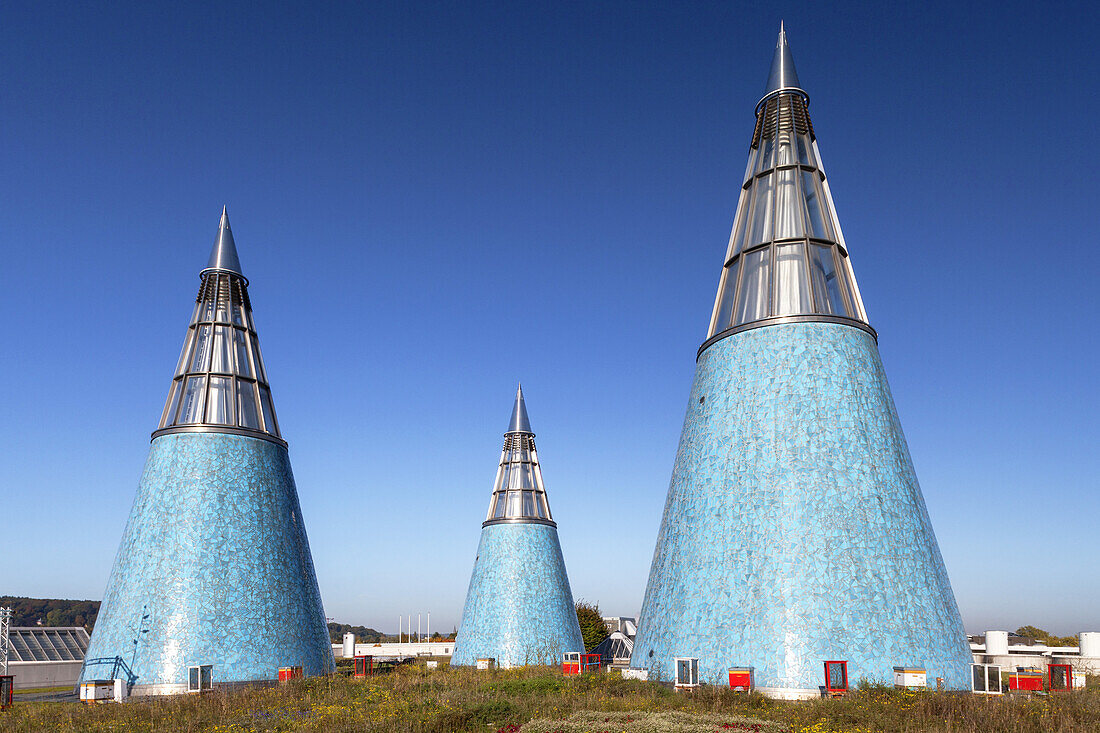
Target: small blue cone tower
(214, 566)
(794, 531)
(519, 608)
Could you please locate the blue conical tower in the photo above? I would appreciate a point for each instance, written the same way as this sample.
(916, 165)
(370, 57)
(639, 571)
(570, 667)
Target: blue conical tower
(519, 608)
(794, 531)
(214, 566)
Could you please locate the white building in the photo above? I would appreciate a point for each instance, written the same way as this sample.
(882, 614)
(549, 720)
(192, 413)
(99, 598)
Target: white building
(994, 648)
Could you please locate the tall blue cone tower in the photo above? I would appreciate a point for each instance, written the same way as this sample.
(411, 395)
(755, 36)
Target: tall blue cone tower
(214, 566)
(519, 608)
(794, 531)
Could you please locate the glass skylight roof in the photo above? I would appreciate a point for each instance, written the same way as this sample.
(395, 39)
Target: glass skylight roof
(220, 382)
(48, 644)
(786, 257)
(518, 492)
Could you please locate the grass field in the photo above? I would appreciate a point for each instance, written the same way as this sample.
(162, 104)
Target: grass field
(541, 700)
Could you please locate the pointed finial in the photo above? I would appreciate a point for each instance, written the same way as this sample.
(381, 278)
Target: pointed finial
(519, 422)
(224, 255)
(783, 75)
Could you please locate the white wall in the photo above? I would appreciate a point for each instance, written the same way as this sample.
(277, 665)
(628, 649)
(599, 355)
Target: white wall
(404, 649)
(44, 674)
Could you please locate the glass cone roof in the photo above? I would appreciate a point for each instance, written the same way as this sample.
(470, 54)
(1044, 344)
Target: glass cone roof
(787, 260)
(518, 492)
(220, 384)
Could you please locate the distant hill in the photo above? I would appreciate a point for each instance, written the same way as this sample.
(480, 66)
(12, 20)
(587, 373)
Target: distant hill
(363, 634)
(51, 611)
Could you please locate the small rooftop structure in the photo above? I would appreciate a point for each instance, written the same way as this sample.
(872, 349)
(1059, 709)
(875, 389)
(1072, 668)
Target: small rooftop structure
(46, 656)
(616, 649)
(626, 624)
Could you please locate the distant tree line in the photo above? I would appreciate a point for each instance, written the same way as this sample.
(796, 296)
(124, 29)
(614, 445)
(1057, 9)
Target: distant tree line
(51, 611)
(68, 612)
(363, 634)
(1045, 637)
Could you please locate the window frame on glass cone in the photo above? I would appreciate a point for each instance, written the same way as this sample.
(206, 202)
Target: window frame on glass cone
(727, 315)
(223, 315)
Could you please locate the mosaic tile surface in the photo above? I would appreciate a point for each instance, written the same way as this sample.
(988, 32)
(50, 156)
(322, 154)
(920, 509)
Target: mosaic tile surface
(215, 552)
(794, 530)
(519, 608)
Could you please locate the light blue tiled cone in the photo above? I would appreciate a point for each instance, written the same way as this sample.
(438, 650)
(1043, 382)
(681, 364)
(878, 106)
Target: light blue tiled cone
(519, 608)
(794, 531)
(215, 558)
(214, 567)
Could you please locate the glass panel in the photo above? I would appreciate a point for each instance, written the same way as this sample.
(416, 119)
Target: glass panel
(221, 350)
(737, 236)
(222, 315)
(269, 411)
(750, 167)
(829, 212)
(813, 206)
(805, 156)
(246, 400)
(729, 295)
(193, 678)
(753, 301)
(540, 505)
(194, 395)
(762, 210)
(208, 306)
(767, 146)
(855, 302)
(788, 210)
(977, 674)
(513, 504)
(205, 675)
(836, 676)
(784, 153)
(827, 292)
(197, 310)
(792, 291)
(219, 405)
(501, 504)
(240, 347)
(258, 360)
(528, 504)
(238, 317)
(201, 355)
(172, 403)
(993, 678)
(185, 352)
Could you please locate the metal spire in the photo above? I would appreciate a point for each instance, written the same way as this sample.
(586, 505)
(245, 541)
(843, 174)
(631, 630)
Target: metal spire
(519, 422)
(224, 255)
(782, 76)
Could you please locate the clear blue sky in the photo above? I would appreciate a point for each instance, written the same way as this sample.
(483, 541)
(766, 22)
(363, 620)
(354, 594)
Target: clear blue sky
(436, 200)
